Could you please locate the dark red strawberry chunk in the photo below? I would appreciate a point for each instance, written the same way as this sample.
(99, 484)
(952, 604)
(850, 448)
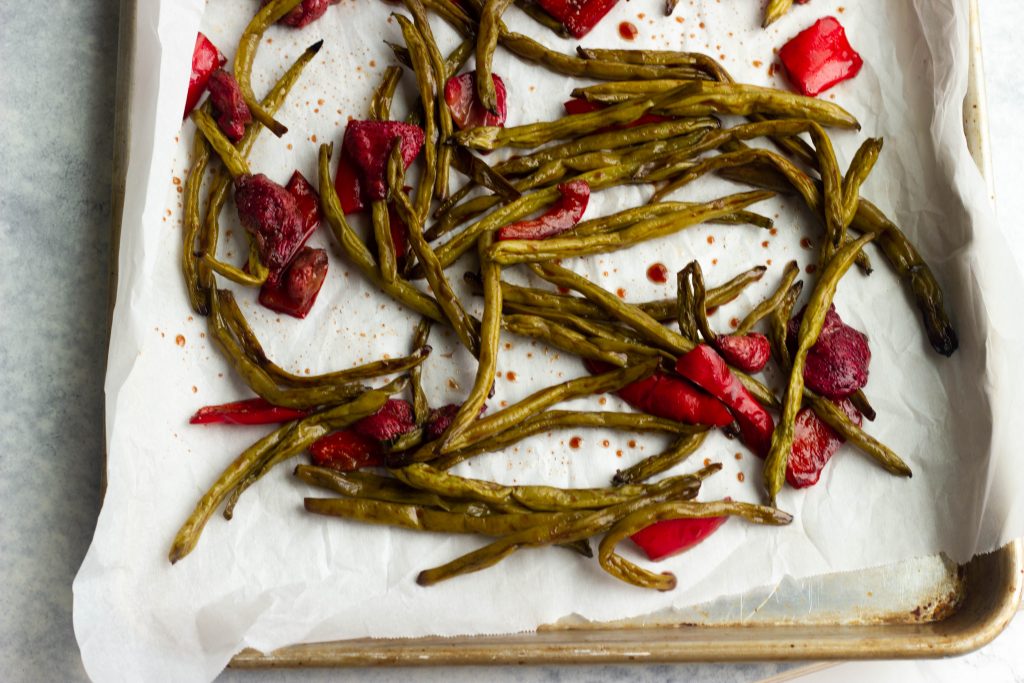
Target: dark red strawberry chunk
(837, 364)
(229, 107)
(368, 144)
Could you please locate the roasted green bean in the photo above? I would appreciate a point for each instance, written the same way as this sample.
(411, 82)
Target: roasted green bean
(763, 309)
(810, 328)
(246, 55)
(681, 449)
(623, 569)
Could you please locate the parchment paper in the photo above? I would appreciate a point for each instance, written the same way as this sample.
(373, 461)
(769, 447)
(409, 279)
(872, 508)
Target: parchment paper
(275, 575)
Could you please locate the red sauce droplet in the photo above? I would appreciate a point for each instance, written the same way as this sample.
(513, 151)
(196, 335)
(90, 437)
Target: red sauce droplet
(628, 30)
(632, 443)
(510, 376)
(740, 477)
(618, 454)
(602, 400)
(739, 456)
(765, 244)
(658, 273)
(621, 293)
(563, 290)
(180, 340)
(773, 231)
(606, 443)
(707, 461)
(711, 239)
(805, 242)
(575, 442)
(811, 268)
(734, 323)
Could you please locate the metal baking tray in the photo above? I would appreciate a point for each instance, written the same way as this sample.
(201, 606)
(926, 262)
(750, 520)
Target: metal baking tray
(927, 607)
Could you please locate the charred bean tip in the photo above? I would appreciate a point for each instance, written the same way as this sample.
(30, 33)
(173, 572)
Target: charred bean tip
(315, 47)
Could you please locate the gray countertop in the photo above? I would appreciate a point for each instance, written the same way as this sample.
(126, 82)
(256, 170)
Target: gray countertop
(57, 75)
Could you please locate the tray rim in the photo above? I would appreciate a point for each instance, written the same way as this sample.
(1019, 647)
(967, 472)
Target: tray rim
(983, 616)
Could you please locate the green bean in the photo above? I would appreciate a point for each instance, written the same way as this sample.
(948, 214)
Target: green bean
(560, 337)
(860, 168)
(810, 328)
(832, 194)
(681, 449)
(359, 484)
(861, 403)
(187, 537)
(835, 418)
(775, 10)
(260, 381)
(553, 420)
(763, 309)
(239, 327)
(420, 406)
(422, 518)
(490, 338)
(593, 328)
(235, 274)
(702, 98)
(531, 135)
(380, 105)
(482, 174)
(620, 91)
(640, 321)
(510, 252)
(356, 251)
(486, 42)
(545, 398)
(600, 179)
(692, 296)
(439, 285)
(444, 117)
(898, 250)
(658, 58)
(233, 161)
(219, 187)
(530, 50)
(246, 55)
(565, 527)
(191, 223)
(616, 139)
(623, 569)
(778, 319)
(456, 214)
(308, 430)
(427, 86)
(263, 453)
(536, 498)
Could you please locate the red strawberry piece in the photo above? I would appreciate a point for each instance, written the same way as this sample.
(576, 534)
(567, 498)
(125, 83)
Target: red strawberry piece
(746, 352)
(837, 364)
(271, 215)
(229, 107)
(346, 451)
(466, 108)
(368, 144)
(814, 444)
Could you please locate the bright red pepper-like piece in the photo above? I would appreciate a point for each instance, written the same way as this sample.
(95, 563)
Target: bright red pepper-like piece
(566, 213)
(253, 411)
(578, 106)
(295, 292)
(578, 16)
(814, 444)
(820, 57)
(271, 215)
(672, 398)
(206, 59)
(673, 536)
(347, 185)
(746, 352)
(308, 202)
(368, 144)
(229, 107)
(465, 106)
(837, 364)
(346, 451)
(306, 13)
(708, 370)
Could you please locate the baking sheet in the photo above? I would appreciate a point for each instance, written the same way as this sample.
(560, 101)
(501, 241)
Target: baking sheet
(240, 542)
